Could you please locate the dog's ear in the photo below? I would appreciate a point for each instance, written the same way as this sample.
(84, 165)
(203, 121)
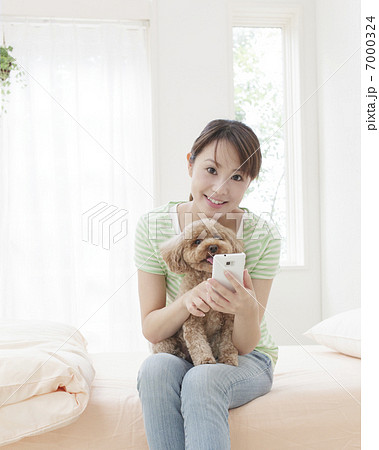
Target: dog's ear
(172, 254)
(237, 244)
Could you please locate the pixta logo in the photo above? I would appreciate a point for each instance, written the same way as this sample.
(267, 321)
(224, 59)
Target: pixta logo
(104, 225)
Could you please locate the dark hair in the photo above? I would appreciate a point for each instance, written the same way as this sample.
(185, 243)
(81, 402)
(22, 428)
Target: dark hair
(237, 134)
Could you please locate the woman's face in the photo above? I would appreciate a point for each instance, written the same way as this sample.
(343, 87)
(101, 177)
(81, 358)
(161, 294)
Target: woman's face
(217, 188)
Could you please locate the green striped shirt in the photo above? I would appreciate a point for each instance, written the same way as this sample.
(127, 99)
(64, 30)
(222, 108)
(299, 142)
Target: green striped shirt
(261, 246)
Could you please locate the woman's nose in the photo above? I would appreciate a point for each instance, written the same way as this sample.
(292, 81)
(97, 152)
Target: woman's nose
(220, 189)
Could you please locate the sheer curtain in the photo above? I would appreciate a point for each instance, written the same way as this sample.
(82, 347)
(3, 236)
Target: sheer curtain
(76, 138)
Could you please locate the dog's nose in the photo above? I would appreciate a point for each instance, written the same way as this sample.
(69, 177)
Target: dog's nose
(213, 248)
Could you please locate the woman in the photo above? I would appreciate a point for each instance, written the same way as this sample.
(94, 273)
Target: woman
(186, 406)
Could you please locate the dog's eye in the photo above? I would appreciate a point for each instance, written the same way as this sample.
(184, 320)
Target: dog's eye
(198, 241)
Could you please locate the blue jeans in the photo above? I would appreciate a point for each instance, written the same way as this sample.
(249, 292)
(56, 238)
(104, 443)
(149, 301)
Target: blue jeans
(186, 407)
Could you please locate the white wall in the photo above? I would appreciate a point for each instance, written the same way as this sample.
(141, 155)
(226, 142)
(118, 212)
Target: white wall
(84, 9)
(338, 37)
(191, 84)
(191, 62)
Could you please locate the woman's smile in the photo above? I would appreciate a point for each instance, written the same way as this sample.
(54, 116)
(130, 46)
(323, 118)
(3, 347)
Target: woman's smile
(217, 204)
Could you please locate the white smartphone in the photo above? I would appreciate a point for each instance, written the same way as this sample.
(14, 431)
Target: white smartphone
(233, 262)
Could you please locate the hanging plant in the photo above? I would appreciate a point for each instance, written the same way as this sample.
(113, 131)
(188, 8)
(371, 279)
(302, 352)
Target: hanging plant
(8, 65)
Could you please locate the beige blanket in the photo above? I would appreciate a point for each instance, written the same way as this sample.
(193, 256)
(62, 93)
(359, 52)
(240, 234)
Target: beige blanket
(45, 377)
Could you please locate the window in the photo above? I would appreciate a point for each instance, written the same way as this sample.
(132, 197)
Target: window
(265, 98)
(76, 137)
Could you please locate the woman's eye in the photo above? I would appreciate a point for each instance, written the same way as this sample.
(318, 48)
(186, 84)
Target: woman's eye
(198, 241)
(211, 170)
(237, 177)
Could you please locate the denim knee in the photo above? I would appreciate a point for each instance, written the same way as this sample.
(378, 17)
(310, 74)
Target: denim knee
(160, 370)
(201, 382)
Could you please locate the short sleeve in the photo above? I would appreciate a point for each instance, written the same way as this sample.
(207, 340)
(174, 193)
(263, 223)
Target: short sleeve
(146, 254)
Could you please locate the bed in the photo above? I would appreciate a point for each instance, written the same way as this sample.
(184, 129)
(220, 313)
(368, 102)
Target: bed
(314, 403)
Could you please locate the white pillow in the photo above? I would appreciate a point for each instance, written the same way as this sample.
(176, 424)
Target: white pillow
(45, 377)
(341, 332)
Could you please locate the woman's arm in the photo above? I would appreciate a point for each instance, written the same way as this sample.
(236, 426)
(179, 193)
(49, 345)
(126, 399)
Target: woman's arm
(158, 320)
(247, 325)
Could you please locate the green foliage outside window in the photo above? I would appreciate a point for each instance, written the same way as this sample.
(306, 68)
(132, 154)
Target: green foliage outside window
(258, 102)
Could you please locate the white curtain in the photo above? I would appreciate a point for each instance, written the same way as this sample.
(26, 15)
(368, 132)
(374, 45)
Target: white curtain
(76, 136)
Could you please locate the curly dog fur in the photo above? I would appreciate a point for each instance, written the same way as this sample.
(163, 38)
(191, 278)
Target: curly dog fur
(201, 340)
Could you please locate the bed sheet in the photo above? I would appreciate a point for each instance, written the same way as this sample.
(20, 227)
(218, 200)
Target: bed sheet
(314, 403)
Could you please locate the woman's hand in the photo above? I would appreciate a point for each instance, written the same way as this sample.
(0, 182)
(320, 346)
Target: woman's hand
(194, 300)
(222, 299)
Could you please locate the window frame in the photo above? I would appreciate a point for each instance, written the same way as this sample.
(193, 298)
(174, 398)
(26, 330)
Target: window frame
(287, 17)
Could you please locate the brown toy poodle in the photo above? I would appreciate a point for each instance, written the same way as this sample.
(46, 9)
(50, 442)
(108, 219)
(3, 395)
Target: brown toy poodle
(201, 340)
